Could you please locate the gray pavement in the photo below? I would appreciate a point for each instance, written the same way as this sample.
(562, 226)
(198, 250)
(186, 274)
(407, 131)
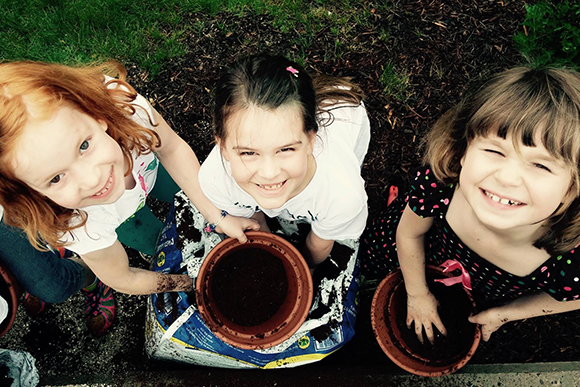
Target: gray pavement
(566, 374)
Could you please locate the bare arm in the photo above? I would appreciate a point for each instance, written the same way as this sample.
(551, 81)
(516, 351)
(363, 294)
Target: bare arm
(182, 164)
(421, 304)
(317, 249)
(111, 265)
(540, 304)
(261, 219)
(410, 247)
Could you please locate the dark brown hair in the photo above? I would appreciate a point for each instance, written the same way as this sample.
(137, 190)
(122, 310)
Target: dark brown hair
(269, 82)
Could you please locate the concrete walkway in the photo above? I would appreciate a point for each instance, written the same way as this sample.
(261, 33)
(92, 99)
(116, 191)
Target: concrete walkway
(566, 374)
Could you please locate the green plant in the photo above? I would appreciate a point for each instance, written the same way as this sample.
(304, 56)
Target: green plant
(551, 34)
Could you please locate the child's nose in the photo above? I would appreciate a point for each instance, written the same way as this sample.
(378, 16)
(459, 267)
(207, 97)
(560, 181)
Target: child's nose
(90, 179)
(510, 173)
(269, 169)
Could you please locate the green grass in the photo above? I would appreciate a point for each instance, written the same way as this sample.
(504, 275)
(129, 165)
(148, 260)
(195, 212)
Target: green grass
(82, 31)
(150, 32)
(395, 83)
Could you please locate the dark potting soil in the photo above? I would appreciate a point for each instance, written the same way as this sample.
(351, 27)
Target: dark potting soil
(249, 286)
(454, 309)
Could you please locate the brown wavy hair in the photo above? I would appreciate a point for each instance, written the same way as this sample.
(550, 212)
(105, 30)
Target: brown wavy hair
(522, 103)
(36, 90)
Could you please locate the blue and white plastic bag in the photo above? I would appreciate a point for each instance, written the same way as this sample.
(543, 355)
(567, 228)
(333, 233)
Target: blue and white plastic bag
(174, 327)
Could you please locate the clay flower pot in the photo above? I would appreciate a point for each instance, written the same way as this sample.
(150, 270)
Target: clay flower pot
(11, 291)
(400, 344)
(291, 281)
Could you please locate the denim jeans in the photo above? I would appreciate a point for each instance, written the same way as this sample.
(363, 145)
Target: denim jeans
(54, 279)
(43, 274)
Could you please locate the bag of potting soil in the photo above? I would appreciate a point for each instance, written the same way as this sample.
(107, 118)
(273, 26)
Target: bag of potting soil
(176, 331)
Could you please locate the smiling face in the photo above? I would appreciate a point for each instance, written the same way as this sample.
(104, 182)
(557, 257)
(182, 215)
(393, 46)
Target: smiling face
(269, 153)
(508, 188)
(70, 159)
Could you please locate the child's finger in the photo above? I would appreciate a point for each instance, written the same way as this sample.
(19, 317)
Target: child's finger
(243, 238)
(485, 333)
(430, 334)
(440, 326)
(419, 331)
(254, 226)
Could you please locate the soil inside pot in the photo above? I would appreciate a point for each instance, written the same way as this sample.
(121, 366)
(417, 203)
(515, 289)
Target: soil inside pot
(249, 286)
(454, 309)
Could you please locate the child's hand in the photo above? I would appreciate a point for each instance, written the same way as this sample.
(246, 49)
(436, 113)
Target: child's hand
(234, 227)
(422, 310)
(490, 321)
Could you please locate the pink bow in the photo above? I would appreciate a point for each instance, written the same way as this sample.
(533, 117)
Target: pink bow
(293, 71)
(464, 278)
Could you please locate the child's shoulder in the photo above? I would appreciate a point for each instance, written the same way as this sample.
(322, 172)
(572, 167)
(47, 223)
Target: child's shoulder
(427, 196)
(344, 110)
(423, 181)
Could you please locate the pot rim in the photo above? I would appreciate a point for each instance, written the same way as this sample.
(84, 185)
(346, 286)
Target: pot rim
(386, 342)
(15, 291)
(287, 327)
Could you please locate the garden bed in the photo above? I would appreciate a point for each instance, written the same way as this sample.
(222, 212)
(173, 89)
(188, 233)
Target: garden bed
(436, 49)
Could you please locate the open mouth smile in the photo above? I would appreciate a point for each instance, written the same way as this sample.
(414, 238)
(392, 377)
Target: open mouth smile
(501, 200)
(107, 187)
(271, 187)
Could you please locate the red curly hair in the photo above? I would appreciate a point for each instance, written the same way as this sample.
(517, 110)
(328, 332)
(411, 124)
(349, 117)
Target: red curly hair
(36, 90)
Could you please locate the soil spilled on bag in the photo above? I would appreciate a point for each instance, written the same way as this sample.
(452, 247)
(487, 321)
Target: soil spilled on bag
(249, 286)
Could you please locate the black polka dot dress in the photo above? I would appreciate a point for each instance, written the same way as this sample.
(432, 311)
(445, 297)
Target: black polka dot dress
(559, 276)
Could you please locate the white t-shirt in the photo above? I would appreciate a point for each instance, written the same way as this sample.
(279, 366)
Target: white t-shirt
(99, 231)
(334, 202)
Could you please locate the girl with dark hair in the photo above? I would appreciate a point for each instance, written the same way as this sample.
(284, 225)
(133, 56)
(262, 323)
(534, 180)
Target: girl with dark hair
(79, 154)
(291, 148)
(499, 197)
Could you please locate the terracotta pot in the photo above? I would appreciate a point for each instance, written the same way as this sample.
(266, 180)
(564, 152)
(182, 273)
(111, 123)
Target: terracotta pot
(11, 291)
(390, 300)
(290, 315)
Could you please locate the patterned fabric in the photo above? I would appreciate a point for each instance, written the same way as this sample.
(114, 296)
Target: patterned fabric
(100, 308)
(559, 276)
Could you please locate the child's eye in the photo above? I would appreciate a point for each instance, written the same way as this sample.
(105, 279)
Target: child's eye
(247, 153)
(286, 149)
(494, 151)
(56, 179)
(541, 166)
(84, 146)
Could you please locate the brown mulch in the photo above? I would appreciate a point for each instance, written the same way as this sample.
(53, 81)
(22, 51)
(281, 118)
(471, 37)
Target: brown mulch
(444, 46)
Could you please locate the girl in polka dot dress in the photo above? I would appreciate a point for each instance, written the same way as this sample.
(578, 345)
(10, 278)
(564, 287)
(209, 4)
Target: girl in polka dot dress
(498, 194)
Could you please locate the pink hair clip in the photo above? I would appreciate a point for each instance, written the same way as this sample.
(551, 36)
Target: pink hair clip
(293, 71)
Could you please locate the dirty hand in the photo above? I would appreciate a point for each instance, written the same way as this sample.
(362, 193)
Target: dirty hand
(422, 310)
(234, 227)
(490, 321)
